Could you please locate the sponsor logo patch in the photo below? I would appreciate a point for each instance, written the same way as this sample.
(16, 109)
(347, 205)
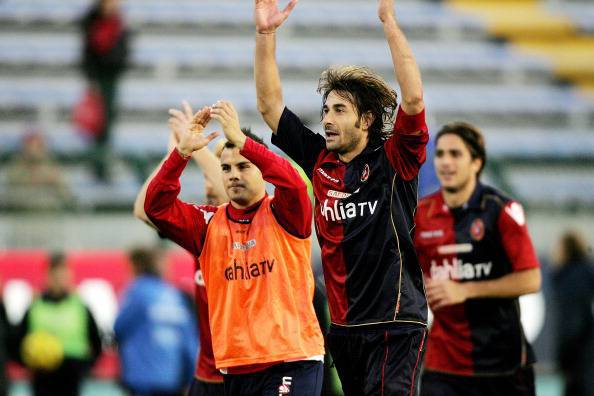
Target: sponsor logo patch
(338, 194)
(431, 234)
(327, 176)
(454, 249)
(244, 246)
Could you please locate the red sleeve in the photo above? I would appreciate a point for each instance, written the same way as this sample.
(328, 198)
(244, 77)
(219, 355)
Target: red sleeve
(406, 147)
(183, 223)
(515, 238)
(291, 203)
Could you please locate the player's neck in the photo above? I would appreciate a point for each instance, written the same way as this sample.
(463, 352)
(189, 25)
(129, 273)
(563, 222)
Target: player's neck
(358, 149)
(457, 198)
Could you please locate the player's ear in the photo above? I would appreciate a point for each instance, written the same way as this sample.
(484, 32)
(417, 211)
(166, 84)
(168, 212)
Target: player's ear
(367, 120)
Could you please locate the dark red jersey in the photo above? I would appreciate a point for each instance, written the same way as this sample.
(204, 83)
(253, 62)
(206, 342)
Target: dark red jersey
(364, 220)
(205, 364)
(485, 239)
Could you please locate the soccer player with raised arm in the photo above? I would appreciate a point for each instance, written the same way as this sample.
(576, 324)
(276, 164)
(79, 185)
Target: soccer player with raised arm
(477, 258)
(254, 254)
(364, 174)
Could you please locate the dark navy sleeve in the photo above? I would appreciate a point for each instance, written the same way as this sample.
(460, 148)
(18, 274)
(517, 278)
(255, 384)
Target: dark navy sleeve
(298, 142)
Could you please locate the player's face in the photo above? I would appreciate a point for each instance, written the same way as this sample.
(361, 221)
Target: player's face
(60, 279)
(242, 179)
(342, 125)
(454, 165)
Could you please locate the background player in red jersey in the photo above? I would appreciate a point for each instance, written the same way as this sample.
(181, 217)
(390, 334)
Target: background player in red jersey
(477, 258)
(208, 381)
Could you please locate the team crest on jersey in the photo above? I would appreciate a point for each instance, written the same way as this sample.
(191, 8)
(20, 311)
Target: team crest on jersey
(365, 174)
(477, 229)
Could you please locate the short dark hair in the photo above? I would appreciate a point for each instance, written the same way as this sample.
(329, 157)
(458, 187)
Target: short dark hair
(247, 131)
(471, 136)
(144, 260)
(56, 261)
(367, 91)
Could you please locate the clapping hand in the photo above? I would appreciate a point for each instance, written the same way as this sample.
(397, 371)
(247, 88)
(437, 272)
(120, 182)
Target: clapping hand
(224, 112)
(188, 129)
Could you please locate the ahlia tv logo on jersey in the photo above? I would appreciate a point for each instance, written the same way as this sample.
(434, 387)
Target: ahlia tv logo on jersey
(245, 271)
(338, 211)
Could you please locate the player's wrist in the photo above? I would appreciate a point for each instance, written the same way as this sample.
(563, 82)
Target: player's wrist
(184, 152)
(468, 290)
(265, 32)
(238, 140)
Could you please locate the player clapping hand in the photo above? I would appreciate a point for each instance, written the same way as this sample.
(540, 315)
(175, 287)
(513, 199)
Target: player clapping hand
(224, 112)
(190, 133)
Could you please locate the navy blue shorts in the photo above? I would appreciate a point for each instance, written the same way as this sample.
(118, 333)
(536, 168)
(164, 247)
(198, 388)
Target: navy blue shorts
(302, 378)
(378, 360)
(521, 383)
(203, 388)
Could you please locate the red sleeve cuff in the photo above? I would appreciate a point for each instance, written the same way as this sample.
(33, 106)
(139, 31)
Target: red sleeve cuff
(177, 159)
(409, 124)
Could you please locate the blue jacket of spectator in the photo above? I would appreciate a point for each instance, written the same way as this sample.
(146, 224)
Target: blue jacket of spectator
(157, 336)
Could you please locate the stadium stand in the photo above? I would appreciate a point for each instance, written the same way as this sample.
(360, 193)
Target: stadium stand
(203, 50)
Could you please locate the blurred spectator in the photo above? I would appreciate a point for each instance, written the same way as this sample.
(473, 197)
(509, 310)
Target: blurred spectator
(105, 53)
(34, 180)
(155, 330)
(58, 337)
(574, 299)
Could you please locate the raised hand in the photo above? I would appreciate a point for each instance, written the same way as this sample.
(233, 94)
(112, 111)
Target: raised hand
(385, 10)
(189, 129)
(268, 16)
(224, 112)
(180, 120)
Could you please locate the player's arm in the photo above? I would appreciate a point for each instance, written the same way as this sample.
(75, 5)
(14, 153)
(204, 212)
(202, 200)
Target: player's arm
(204, 158)
(525, 277)
(181, 222)
(292, 206)
(180, 121)
(405, 66)
(268, 17)
(443, 293)
(406, 147)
